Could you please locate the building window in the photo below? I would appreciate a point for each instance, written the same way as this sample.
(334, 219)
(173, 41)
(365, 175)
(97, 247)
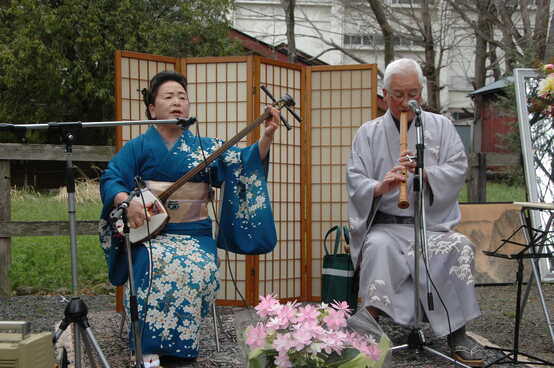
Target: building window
(357, 40)
(354, 40)
(406, 2)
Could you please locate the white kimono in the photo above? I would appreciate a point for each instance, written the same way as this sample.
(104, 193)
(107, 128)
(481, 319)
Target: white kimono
(386, 251)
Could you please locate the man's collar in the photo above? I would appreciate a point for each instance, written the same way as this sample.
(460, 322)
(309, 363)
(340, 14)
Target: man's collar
(397, 122)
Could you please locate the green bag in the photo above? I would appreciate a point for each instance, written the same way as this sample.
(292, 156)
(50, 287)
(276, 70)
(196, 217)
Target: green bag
(339, 282)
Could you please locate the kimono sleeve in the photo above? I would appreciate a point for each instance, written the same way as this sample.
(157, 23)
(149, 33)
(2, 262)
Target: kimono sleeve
(246, 217)
(361, 186)
(118, 177)
(447, 177)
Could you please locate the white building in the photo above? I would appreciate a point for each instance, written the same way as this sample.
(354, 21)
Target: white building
(347, 24)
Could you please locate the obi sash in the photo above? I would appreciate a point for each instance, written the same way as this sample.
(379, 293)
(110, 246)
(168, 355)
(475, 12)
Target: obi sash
(189, 203)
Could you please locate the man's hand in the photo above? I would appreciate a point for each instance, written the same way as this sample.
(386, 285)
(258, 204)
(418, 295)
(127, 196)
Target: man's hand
(407, 160)
(391, 180)
(394, 177)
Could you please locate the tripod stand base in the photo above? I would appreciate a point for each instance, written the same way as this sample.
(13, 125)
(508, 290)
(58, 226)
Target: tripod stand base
(417, 343)
(511, 357)
(76, 318)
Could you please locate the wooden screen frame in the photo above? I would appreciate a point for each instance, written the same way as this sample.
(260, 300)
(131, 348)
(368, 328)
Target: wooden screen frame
(253, 65)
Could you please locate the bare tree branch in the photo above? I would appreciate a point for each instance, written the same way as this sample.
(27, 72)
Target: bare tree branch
(525, 20)
(330, 43)
(464, 12)
(386, 29)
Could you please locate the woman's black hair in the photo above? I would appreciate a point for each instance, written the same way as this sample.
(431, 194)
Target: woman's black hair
(149, 95)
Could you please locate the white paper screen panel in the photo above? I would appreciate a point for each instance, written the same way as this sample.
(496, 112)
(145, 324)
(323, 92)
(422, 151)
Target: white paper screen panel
(135, 75)
(218, 95)
(341, 101)
(280, 270)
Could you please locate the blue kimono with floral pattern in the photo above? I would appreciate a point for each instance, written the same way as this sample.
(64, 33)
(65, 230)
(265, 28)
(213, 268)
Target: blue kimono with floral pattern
(182, 258)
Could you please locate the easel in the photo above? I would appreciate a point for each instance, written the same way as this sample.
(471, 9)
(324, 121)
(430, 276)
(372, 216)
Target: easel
(535, 249)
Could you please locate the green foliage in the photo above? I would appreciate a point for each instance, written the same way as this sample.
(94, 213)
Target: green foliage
(56, 57)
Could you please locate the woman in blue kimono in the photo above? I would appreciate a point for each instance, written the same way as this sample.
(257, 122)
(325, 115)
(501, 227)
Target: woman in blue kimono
(182, 258)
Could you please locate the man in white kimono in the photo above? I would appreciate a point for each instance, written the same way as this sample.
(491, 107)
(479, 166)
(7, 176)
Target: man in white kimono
(383, 234)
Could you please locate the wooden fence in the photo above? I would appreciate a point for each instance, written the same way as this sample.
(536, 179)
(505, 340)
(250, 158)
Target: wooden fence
(12, 151)
(41, 152)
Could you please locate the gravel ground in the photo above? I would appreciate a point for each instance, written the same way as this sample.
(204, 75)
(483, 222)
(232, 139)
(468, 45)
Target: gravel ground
(494, 328)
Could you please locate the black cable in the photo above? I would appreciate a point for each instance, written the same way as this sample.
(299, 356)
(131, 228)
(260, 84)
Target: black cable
(150, 265)
(150, 256)
(422, 186)
(425, 263)
(442, 303)
(227, 261)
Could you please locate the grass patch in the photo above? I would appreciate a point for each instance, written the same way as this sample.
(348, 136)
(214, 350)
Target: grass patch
(499, 192)
(42, 264)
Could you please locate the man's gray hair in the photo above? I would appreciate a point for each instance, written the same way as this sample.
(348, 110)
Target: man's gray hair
(401, 66)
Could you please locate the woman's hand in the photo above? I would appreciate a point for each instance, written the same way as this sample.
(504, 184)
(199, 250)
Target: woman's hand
(271, 126)
(135, 212)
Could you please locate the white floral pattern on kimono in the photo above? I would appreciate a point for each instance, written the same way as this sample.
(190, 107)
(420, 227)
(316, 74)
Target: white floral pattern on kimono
(183, 285)
(182, 258)
(385, 251)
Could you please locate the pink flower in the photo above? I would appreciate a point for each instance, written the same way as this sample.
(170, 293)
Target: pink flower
(302, 337)
(277, 322)
(333, 342)
(255, 336)
(374, 352)
(282, 361)
(313, 328)
(335, 319)
(364, 345)
(287, 313)
(283, 342)
(268, 306)
(342, 306)
(308, 313)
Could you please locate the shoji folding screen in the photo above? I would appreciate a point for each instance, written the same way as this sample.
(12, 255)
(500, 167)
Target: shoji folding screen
(307, 171)
(341, 98)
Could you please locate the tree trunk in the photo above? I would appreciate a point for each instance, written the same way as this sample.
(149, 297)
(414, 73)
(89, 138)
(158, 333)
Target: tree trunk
(288, 7)
(549, 47)
(386, 29)
(431, 73)
(541, 28)
(480, 73)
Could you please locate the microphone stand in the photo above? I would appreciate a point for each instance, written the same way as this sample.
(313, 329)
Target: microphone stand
(120, 213)
(76, 310)
(416, 338)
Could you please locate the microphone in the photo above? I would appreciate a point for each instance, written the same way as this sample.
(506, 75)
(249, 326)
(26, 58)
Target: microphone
(117, 212)
(185, 123)
(414, 106)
